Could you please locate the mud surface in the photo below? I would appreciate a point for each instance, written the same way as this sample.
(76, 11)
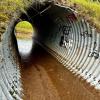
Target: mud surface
(44, 78)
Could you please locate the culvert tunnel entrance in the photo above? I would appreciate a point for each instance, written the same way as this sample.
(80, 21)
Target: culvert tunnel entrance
(24, 33)
(72, 41)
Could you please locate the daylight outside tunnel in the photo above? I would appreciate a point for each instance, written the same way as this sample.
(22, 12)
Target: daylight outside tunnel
(63, 59)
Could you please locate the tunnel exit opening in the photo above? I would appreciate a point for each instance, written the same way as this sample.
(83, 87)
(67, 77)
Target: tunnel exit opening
(24, 33)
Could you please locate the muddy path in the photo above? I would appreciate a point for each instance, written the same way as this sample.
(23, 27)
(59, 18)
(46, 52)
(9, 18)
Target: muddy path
(44, 78)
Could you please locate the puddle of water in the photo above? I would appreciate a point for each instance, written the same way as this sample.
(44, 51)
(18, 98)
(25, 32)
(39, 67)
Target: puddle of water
(25, 46)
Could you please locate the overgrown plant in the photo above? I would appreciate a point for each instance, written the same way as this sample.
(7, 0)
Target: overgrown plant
(88, 9)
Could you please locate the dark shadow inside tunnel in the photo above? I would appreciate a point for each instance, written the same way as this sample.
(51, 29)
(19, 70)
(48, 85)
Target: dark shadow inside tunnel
(41, 25)
(47, 19)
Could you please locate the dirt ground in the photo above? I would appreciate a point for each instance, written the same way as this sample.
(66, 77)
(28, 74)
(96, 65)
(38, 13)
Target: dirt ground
(44, 78)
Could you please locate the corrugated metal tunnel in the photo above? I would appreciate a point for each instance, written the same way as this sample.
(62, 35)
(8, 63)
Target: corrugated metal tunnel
(72, 41)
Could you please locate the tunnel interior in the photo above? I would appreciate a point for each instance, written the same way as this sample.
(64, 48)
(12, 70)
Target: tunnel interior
(72, 41)
(48, 20)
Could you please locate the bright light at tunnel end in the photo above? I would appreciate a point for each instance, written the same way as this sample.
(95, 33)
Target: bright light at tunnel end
(24, 33)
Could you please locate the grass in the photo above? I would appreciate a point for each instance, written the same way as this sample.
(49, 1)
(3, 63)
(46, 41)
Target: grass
(24, 30)
(24, 24)
(86, 9)
(89, 10)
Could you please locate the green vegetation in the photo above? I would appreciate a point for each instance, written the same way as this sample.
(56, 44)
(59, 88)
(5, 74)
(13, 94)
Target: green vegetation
(24, 30)
(24, 24)
(9, 8)
(88, 9)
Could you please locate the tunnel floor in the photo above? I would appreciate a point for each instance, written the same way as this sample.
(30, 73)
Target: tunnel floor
(44, 78)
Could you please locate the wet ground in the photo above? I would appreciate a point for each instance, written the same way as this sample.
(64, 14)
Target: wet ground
(44, 78)
(25, 46)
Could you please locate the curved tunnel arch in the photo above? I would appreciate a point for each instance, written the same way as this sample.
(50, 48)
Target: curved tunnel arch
(71, 40)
